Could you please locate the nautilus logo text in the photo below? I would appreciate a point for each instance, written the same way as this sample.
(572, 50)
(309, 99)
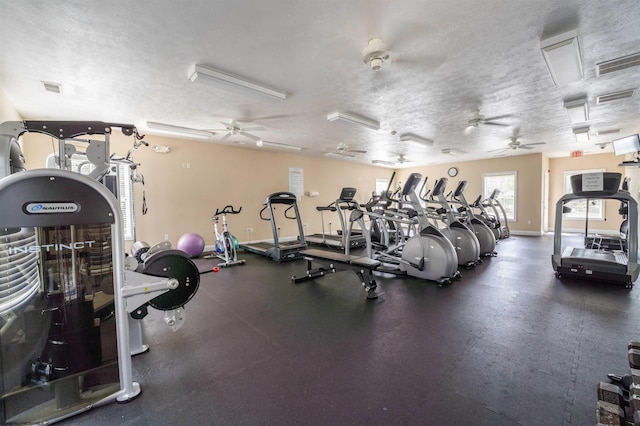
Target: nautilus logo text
(37, 208)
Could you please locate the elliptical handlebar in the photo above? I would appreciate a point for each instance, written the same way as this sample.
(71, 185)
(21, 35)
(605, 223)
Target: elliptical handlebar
(228, 209)
(424, 197)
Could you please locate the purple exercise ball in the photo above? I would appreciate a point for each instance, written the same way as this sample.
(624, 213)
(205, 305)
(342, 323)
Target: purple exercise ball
(191, 243)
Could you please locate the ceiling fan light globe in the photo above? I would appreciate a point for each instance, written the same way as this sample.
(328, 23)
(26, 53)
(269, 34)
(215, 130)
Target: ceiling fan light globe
(376, 63)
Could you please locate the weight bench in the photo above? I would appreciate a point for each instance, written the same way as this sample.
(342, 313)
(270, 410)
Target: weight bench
(335, 262)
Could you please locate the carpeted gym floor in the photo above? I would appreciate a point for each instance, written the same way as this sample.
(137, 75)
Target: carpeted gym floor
(509, 344)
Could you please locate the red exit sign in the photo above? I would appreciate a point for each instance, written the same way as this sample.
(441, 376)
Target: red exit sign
(576, 153)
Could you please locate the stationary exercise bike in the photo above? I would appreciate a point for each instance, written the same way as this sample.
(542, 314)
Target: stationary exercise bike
(226, 245)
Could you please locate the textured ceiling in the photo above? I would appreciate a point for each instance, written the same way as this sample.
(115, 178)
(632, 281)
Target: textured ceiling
(128, 61)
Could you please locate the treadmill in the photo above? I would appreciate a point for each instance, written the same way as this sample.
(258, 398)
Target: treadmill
(342, 239)
(279, 250)
(595, 262)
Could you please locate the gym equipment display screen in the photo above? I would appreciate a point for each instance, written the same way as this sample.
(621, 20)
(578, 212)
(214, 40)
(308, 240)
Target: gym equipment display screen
(626, 145)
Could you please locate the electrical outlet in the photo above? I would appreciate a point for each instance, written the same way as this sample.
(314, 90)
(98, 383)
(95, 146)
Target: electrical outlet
(305, 225)
(249, 230)
(528, 222)
(166, 237)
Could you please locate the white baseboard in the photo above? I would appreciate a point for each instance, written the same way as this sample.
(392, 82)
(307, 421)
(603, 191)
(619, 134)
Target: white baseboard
(591, 231)
(527, 233)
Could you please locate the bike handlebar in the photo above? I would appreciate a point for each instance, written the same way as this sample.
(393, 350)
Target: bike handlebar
(228, 209)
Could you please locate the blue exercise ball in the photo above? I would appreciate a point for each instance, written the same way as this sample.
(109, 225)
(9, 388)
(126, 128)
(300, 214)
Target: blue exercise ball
(191, 243)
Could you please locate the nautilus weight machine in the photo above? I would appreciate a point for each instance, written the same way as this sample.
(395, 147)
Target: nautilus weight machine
(69, 308)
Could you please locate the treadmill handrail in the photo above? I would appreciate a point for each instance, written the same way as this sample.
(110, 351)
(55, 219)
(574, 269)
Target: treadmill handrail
(294, 212)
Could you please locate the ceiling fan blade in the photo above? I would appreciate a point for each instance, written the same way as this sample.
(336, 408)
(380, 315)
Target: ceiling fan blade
(250, 136)
(524, 147)
(491, 123)
(500, 149)
(356, 151)
(225, 137)
(534, 143)
(253, 129)
(498, 117)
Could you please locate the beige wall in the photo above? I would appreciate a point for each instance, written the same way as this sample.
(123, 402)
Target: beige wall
(7, 110)
(529, 179)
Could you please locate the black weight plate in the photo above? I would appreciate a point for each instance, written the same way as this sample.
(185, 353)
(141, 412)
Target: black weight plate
(173, 264)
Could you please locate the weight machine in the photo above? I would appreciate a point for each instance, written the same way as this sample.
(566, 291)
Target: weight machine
(70, 302)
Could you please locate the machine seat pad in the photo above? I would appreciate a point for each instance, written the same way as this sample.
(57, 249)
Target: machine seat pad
(342, 258)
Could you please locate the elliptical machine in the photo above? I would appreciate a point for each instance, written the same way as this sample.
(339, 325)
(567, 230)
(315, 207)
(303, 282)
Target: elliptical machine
(226, 245)
(500, 213)
(426, 254)
(483, 233)
(463, 239)
(490, 220)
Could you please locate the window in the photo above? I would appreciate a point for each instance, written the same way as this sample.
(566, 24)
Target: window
(579, 207)
(505, 182)
(381, 185)
(81, 165)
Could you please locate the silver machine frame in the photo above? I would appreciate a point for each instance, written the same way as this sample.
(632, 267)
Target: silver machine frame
(131, 289)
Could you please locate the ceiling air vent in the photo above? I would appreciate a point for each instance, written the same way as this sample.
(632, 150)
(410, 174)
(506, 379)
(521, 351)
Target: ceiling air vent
(52, 87)
(615, 96)
(618, 64)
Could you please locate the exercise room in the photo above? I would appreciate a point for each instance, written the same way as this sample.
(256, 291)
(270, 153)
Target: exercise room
(385, 212)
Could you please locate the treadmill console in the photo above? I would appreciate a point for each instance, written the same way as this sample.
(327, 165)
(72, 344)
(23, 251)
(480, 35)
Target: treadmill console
(595, 184)
(347, 194)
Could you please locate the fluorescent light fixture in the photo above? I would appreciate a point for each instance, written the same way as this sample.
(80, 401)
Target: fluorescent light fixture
(161, 149)
(581, 134)
(452, 151)
(229, 81)
(607, 132)
(354, 119)
(577, 110)
(262, 143)
(415, 138)
(178, 130)
(383, 162)
(563, 58)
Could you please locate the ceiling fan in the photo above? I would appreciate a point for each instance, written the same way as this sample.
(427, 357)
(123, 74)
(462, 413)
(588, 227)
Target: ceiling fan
(233, 128)
(376, 54)
(343, 150)
(477, 119)
(516, 144)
